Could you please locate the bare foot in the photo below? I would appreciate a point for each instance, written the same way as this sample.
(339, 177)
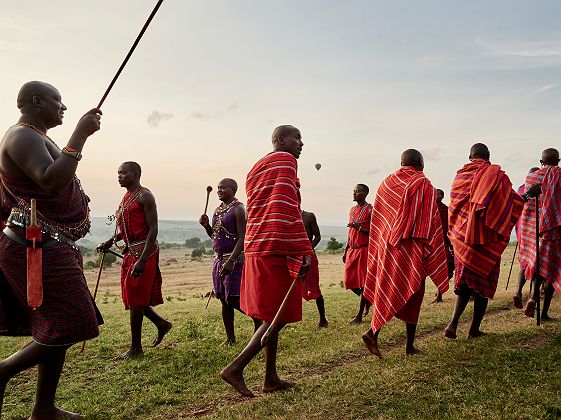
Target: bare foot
(323, 323)
(280, 385)
(548, 318)
(450, 332)
(530, 308)
(230, 341)
(437, 300)
(476, 334)
(367, 309)
(411, 351)
(517, 301)
(54, 414)
(357, 320)
(371, 343)
(236, 380)
(130, 354)
(162, 331)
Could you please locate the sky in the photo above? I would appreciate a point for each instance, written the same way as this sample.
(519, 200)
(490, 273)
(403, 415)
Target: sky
(362, 80)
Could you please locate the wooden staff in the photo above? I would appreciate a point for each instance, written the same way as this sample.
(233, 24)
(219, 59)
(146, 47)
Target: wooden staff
(511, 264)
(208, 191)
(276, 320)
(95, 291)
(130, 52)
(210, 295)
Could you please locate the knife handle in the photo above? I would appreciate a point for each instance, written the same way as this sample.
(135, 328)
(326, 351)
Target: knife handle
(33, 217)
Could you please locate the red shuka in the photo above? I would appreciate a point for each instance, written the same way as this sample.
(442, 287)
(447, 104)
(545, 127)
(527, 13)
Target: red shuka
(549, 225)
(146, 289)
(406, 244)
(275, 241)
(483, 210)
(357, 252)
(310, 282)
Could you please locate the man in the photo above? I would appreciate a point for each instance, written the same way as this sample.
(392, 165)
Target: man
(277, 253)
(483, 210)
(227, 233)
(549, 211)
(406, 244)
(32, 166)
(443, 212)
(517, 297)
(356, 251)
(141, 280)
(310, 283)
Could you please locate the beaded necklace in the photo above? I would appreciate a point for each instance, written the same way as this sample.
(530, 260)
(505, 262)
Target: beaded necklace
(126, 202)
(359, 218)
(218, 226)
(22, 124)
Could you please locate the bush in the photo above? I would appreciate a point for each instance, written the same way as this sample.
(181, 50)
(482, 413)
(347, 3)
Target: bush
(197, 254)
(334, 245)
(193, 242)
(107, 261)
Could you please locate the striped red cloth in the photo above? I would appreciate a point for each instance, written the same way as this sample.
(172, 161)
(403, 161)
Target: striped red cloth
(549, 225)
(274, 218)
(406, 244)
(357, 247)
(483, 210)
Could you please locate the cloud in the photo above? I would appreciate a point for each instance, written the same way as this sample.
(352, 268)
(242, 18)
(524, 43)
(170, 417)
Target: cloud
(521, 49)
(156, 117)
(432, 153)
(204, 116)
(545, 88)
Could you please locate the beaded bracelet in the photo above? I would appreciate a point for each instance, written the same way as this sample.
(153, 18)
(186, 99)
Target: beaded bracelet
(73, 153)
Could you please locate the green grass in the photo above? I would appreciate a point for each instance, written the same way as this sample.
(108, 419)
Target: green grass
(515, 372)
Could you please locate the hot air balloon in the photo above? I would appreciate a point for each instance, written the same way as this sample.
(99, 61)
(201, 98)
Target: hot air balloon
(318, 166)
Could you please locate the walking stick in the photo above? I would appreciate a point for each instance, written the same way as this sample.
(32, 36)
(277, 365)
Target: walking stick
(537, 272)
(511, 264)
(276, 320)
(208, 191)
(130, 52)
(210, 295)
(95, 291)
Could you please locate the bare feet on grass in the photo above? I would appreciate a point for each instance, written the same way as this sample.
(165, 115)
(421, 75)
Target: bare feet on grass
(410, 351)
(517, 301)
(530, 308)
(278, 385)
(356, 320)
(162, 331)
(476, 334)
(54, 414)
(228, 374)
(450, 332)
(323, 323)
(130, 354)
(230, 341)
(371, 343)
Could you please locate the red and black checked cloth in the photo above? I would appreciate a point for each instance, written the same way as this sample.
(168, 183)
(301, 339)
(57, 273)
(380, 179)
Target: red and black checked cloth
(67, 315)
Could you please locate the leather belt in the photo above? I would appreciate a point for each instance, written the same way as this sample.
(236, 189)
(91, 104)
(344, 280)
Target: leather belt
(27, 243)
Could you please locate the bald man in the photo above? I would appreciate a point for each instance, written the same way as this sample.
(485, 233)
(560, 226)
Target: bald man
(549, 211)
(32, 166)
(406, 244)
(483, 210)
(277, 253)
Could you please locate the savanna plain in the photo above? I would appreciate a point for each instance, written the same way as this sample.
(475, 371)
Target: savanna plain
(513, 372)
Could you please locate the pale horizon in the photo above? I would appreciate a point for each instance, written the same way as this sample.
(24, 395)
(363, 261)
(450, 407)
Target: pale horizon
(362, 80)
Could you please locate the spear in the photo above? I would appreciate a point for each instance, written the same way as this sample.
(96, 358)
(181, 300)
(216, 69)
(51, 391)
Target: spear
(123, 64)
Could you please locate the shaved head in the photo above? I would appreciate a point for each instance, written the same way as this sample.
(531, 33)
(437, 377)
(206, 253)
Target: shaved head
(230, 183)
(133, 166)
(282, 131)
(479, 151)
(413, 158)
(31, 89)
(550, 157)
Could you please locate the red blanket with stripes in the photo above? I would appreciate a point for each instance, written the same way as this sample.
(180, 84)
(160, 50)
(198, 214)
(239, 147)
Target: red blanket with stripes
(483, 210)
(406, 244)
(549, 225)
(274, 218)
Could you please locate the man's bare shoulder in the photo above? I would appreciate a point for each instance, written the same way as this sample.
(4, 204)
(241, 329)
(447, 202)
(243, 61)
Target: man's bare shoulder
(146, 197)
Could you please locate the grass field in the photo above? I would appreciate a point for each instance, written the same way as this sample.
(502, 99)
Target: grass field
(514, 372)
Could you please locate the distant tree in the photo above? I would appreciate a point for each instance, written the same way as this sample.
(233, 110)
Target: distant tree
(207, 243)
(194, 242)
(333, 244)
(197, 253)
(85, 251)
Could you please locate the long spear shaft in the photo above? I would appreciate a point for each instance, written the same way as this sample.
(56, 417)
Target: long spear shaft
(130, 52)
(511, 264)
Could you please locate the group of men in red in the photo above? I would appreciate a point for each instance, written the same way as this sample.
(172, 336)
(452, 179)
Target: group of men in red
(394, 244)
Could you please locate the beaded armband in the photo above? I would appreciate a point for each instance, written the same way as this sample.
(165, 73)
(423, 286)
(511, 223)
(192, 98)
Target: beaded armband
(73, 153)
